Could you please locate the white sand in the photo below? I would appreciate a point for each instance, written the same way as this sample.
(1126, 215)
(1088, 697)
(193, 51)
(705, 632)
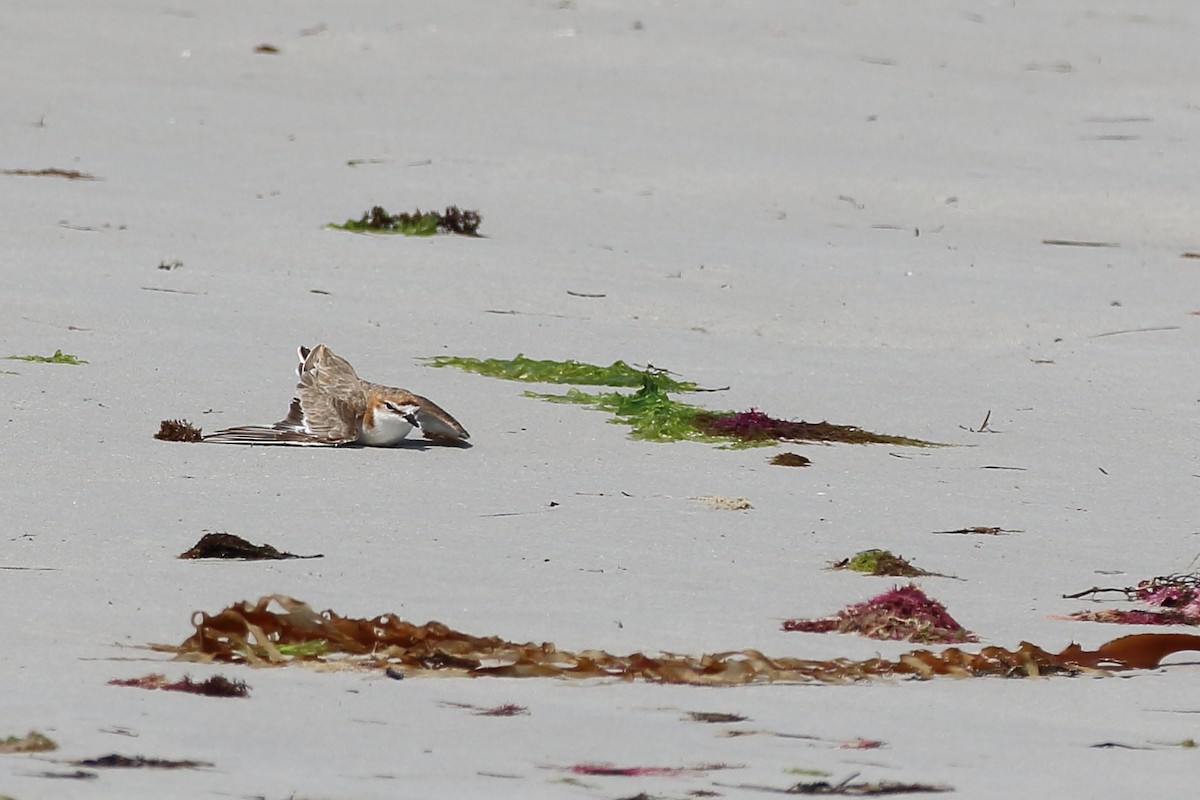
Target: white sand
(695, 172)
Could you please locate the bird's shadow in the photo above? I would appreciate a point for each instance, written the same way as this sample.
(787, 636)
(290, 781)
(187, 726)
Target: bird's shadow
(419, 445)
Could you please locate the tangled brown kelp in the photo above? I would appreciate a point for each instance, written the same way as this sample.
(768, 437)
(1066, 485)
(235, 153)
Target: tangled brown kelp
(255, 633)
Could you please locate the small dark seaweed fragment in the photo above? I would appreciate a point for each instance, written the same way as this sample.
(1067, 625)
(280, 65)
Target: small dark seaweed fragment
(117, 760)
(845, 788)
(464, 223)
(216, 686)
(715, 717)
(790, 460)
(986, 530)
(229, 546)
(505, 710)
(77, 775)
(177, 430)
(53, 172)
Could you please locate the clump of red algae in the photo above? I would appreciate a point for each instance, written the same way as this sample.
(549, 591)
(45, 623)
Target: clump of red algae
(755, 426)
(903, 612)
(1175, 598)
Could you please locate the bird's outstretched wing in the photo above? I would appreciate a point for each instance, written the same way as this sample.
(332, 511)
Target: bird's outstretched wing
(288, 431)
(436, 424)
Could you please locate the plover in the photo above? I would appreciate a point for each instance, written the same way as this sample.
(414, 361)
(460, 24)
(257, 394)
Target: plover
(333, 406)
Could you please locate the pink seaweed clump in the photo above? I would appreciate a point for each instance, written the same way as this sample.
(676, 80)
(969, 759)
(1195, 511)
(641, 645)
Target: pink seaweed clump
(903, 612)
(1178, 598)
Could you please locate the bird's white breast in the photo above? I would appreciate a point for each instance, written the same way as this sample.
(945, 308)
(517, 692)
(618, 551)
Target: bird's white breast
(387, 429)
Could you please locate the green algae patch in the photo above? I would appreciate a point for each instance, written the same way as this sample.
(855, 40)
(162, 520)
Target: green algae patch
(649, 411)
(882, 562)
(580, 373)
(59, 357)
(653, 414)
(310, 648)
(418, 223)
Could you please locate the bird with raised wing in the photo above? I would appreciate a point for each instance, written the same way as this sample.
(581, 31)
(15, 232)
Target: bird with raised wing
(333, 406)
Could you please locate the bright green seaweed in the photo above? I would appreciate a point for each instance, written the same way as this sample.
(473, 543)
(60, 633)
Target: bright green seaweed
(577, 372)
(410, 225)
(651, 412)
(59, 357)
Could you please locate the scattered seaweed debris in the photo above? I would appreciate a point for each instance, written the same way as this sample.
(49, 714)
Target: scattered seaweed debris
(1175, 600)
(216, 686)
(419, 223)
(611, 770)
(715, 717)
(32, 742)
(982, 530)
(77, 775)
(1078, 243)
(847, 788)
(59, 357)
(178, 430)
(505, 710)
(579, 373)
(882, 562)
(267, 49)
(257, 634)
(139, 762)
(53, 172)
(229, 546)
(654, 415)
(790, 460)
(903, 612)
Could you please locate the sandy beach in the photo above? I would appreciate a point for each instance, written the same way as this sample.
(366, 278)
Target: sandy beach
(904, 217)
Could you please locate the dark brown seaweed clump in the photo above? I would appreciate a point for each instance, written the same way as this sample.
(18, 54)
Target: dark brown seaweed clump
(229, 546)
(139, 762)
(216, 686)
(177, 430)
